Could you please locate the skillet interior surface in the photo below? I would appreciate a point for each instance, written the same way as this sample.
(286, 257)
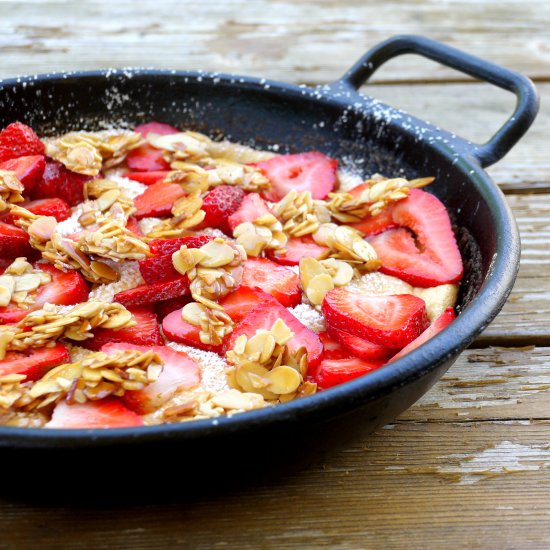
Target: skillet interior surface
(360, 132)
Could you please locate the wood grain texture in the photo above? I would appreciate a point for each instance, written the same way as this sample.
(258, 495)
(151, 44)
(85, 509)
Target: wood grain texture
(302, 40)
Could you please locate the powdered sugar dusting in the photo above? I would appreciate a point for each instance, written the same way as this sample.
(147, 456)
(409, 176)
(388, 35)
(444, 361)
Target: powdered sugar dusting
(348, 180)
(309, 316)
(70, 225)
(77, 353)
(146, 224)
(378, 284)
(130, 277)
(129, 188)
(213, 378)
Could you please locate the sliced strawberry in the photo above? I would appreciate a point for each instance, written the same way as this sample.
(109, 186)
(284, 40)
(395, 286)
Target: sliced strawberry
(392, 321)
(179, 372)
(106, 413)
(147, 178)
(241, 301)
(157, 200)
(29, 169)
(14, 241)
(64, 289)
(178, 330)
(158, 269)
(443, 321)
(165, 307)
(19, 140)
(264, 316)
(149, 294)
(59, 182)
(298, 248)
(332, 372)
(373, 225)
(358, 189)
(57, 208)
(252, 207)
(146, 332)
(133, 225)
(219, 204)
(277, 280)
(169, 246)
(332, 349)
(313, 172)
(359, 347)
(425, 253)
(34, 362)
(146, 158)
(155, 128)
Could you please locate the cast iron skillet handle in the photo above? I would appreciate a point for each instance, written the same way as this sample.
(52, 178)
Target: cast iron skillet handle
(527, 98)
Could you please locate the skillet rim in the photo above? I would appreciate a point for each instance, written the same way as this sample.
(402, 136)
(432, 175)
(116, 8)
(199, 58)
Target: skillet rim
(341, 399)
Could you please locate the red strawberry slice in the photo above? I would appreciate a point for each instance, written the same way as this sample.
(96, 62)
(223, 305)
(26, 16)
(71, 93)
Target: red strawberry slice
(244, 299)
(313, 172)
(64, 289)
(145, 333)
(14, 242)
(252, 207)
(332, 349)
(146, 158)
(34, 362)
(358, 189)
(178, 330)
(133, 225)
(165, 307)
(392, 321)
(59, 182)
(149, 294)
(332, 372)
(147, 178)
(425, 253)
(155, 127)
(57, 208)
(264, 316)
(298, 248)
(282, 283)
(157, 200)
(29, 169)
(219, 204)
(106, 413)
(443, 321)
(373, 225)
(179, 372)
(359, 347)
(169, 246)
(19, 140)
(158, 269)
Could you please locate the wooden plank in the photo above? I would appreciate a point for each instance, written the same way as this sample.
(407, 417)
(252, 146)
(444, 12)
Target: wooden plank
(415, 486)
(300, 41)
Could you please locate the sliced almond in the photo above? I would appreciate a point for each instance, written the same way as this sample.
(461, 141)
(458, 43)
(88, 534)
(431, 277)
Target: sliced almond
(318, 287)
(283, 380)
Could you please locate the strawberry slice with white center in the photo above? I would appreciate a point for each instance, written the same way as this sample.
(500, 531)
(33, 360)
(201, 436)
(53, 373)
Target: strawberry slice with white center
(264, 317)
(157, 200)
(423, 250)
(34, 362)
(392, 321)
(106, 413)
(244, 299)
(179, 372)
(282, 283)
(443, 321)
(147, 178)
(64, 289)
(251, 208)
(360, 347)
(14, 242)
(29, 170)
(332, 349)
(373, 225)
(298, 248)
(145, 332)
(332, 372)
(312, 172)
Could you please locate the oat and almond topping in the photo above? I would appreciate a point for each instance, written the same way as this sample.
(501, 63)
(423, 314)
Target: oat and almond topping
(263, 364)
(95, 377)
(88, 152)
(381, 193)
(45, 326)
(11, 189)
(319, 277)
(300, 213)
(264, 233)
(19, 283)
(181, 146)
(109, 201)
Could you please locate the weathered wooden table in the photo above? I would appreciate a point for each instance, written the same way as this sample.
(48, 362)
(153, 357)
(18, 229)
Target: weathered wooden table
(467, 466)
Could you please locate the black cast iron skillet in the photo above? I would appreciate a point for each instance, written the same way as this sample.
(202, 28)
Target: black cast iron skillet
(356, 129)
